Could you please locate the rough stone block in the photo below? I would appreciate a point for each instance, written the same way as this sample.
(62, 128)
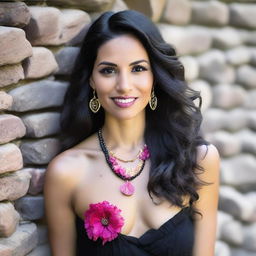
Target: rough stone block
(40, 151)
(249, 242)
(239, 171)
(42, 231)
(213, 119)
(50, 26)
(226, 143)
(40, 64)
(252, 119)
(41, 250)
(232, 233)
(10, 158)
(206, 93)
(11, 127)
(225, 38)
(246, 75)
(232, 118)
(152, 9)
(222, 219)
(38, 95)
(119, 5)
(228, 96)
(44, 26)
(41, 124)
(251, 197)
(213, 67)
(241, 252)
(14, 185)
(177, 12)
(23, 241)
(191, 67)
(14, 14)
(189, 40)
(36, 181)
(73, 21)
(253, 56)
(5, 100)
(88, 5)
(238, 56)
(66, 59)
(234, 203)
(11, 74)
(9, 219)
(16, 46)
(222, 249)
(30, 207)
(213, 13)
(243, 15)
(250, 102)
(5, 251)
(247, 139)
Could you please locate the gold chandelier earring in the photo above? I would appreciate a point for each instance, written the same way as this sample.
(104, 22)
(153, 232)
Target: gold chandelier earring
(153, 100)
(94, 103)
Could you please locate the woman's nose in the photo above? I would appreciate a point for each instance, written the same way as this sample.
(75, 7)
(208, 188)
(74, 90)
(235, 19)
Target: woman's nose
(123, 84)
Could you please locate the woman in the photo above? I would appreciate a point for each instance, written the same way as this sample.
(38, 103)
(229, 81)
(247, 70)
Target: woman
(136, 178)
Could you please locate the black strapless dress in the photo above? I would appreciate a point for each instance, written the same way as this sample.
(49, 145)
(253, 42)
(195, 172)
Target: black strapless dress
(174, 238)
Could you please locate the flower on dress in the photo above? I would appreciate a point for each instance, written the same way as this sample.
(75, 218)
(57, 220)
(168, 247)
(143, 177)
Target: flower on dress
(103, 220)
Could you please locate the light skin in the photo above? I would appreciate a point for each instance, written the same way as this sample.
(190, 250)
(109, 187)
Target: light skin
(80, 175)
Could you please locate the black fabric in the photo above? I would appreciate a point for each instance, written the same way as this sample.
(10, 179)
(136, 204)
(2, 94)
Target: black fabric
(174, 238)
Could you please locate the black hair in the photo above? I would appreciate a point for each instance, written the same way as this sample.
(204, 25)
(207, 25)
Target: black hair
(172, 131)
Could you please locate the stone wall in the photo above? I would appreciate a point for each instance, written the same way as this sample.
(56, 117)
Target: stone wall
(39, 41)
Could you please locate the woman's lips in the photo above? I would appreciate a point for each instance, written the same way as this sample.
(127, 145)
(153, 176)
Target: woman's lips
(124, 102)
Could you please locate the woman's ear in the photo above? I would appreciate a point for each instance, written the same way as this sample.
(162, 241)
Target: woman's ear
(91, 82)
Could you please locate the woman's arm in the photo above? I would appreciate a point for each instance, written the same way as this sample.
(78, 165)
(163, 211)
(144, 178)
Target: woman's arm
(205, 226)
(60, 217)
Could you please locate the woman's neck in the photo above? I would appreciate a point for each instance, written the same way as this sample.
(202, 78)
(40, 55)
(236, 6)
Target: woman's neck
(127, 135)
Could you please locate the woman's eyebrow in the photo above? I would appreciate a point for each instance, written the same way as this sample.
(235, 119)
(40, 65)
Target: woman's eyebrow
(107, 63)
(137, 62)
(114, 65)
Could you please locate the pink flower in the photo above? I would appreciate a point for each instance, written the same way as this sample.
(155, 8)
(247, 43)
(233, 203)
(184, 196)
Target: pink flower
(145, 154)
(103, 220)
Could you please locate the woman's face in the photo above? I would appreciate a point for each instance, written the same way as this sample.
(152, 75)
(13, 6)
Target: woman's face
(122, 77)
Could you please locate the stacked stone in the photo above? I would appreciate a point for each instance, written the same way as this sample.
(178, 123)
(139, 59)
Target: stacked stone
(29, 121)
(216, 41)
(217, 44)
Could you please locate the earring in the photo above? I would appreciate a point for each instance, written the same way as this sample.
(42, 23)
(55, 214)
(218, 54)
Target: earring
(94, 103)
(153, 100)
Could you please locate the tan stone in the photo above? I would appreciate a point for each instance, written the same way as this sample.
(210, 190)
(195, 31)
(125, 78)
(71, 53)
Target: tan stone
(5, 100)
(14, 47)
(44, 26)
(40, 64)
(14, 14)
(50, 26)
(119, 5)
(11, 127)
(9, 219)
(11, 74)
(177, 12)
(5, 251)
(151, 8)
(73, 21)
(23, 241)
(10, 158)
(14, 185)
(213, 13)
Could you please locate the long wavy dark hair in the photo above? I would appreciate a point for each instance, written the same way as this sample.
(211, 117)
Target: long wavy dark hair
(172, 130)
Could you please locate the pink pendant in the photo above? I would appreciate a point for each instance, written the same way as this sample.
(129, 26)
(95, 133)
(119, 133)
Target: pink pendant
(127, 188)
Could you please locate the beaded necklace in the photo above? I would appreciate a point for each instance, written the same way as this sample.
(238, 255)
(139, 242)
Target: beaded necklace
(127, 188)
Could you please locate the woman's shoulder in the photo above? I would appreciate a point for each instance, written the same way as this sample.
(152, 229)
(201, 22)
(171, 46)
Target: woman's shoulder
(208, 158)
(71, 162)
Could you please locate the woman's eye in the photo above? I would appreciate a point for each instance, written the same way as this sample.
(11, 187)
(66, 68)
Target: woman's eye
(138, 68)
(107, 71)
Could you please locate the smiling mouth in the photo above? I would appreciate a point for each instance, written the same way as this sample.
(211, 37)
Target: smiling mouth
(124, 102)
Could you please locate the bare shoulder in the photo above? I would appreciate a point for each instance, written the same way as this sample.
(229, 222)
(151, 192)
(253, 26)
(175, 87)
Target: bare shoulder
(208, 158)
(63, 168)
